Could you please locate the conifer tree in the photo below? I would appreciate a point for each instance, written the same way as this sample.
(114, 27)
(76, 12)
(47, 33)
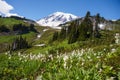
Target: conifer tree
(87, 14)
(19, 43)
(73, 32)
(96, 31)
(63, 33)
(85, 28)
(55, 36)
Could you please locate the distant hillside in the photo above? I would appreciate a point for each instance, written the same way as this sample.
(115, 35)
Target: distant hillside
(12, 27)
(15, 25)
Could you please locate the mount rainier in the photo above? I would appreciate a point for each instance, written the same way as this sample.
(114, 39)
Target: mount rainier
(55, 19)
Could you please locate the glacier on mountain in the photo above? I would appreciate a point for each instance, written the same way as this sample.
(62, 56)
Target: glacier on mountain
(55, 19)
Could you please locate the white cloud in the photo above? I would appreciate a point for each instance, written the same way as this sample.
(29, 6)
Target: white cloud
(5, 9)
(12, 14)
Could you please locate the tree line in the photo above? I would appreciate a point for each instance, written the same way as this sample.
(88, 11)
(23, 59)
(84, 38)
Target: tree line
(80, 30)
(19, 43)
(19, 28)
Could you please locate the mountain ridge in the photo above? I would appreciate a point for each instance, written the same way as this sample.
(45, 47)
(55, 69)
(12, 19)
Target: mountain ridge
(57, 18)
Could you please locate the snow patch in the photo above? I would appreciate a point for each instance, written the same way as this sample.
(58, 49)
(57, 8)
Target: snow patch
(101, 26)
(45, 30)
(40, 45)
(38, 36)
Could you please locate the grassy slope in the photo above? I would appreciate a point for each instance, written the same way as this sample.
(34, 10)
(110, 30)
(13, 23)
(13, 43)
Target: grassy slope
(63, 46)
(15, 67)
(82, 65)
(9, 22)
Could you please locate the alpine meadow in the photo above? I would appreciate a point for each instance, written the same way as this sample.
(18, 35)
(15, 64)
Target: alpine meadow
(80, 40)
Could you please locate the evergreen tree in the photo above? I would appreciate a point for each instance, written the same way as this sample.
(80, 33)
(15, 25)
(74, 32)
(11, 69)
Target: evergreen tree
(62, 33)
(3, 28)
(20, 28)
(97, 21)
(85, 28)
(87, 14)
(55, 36)
(19, 43)
(32, 28)
(73, 32)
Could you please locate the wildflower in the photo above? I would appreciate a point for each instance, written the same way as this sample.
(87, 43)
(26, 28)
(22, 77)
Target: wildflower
(25, 60)
(77, 78)
(100, 70)
(111, 78)
(98, 57)
(82, 63)
(39, 77)
(71, 61)
(104, 49)
(111, 45)
(19, 53)
(97, 65)
(95, 54)
(83, 59)
(113, 50)
(6, 53)
(88, 57)
(20, 58)
(9, 57)
(111, 68)
(82, 51)
(65, 64)
(105, 59)
(65, 58)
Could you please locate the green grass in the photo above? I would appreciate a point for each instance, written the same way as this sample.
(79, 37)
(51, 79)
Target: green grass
(6, 39)
(10, 38)
(46, 36)
(13, 68)
(9, 22)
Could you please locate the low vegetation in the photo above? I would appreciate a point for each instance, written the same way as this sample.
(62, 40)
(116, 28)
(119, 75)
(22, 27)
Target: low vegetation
(81, 64)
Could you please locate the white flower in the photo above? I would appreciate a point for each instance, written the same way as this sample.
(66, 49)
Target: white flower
(113, 50)
(100, 70)
(6, 53)
(97, 65)
(20, 59)
(82, 51)
(65, 64)
(111, 45)
(95, 54)
(111, 68)
(104, 49)
(82, 63)
(98, 57)
(88, 57)
(39, 77)
(9, 57)
(65, 58)
(111, 78)
(19, 53)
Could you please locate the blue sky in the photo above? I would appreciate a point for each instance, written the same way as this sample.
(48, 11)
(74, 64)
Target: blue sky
(36, 9)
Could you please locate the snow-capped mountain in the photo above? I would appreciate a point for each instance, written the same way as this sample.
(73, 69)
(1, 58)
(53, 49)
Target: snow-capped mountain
(56, 19)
